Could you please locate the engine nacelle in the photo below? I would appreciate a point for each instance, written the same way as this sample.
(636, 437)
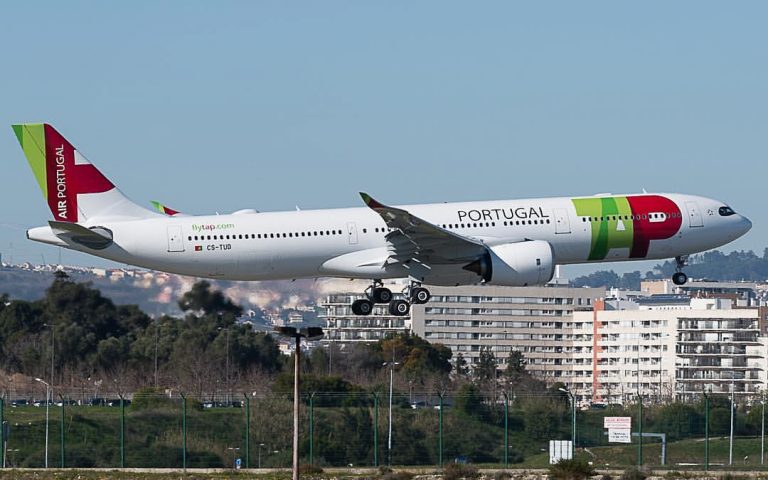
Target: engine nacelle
(516, 264)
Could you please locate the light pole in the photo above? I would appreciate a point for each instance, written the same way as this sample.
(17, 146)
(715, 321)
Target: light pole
(730, 442)
(572, 398)
(311, 333)
(47, 406)
(391, 384)
(260, 445)
(762, 432)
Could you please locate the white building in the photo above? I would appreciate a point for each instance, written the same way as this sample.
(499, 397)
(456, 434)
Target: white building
(343, 327)
(672, 347)
(537, 321)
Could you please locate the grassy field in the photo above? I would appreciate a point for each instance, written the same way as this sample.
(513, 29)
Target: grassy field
(681, 455)
(215, 437)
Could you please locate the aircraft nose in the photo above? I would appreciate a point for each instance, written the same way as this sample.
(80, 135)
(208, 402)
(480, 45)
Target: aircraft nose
(745, 223)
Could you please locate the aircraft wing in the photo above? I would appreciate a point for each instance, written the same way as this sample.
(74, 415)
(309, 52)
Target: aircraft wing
(416, 240)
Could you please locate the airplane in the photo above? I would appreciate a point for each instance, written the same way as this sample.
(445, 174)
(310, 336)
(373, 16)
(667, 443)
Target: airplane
(505, 242)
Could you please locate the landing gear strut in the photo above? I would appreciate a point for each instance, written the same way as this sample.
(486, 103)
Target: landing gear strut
(680, 278)
(414, 293)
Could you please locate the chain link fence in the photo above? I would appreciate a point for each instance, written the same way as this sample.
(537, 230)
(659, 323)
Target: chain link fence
(499, 429)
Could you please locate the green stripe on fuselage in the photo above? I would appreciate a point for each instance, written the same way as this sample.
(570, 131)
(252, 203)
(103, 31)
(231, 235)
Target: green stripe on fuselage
(607, 233)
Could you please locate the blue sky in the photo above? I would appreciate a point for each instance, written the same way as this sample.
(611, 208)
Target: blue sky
(218, 106)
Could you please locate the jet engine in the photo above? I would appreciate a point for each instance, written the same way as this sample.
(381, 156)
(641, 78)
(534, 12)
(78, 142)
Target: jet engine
(516, 264)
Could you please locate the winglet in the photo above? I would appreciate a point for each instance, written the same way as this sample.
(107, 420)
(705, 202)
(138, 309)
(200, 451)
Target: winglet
(163, 209)
(371, 202)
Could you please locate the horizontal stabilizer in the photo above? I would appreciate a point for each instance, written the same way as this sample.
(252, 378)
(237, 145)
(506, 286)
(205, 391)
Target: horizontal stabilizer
(97, 238)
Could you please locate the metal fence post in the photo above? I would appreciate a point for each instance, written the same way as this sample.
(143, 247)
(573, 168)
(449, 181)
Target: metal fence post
(312, 428)
(706, 431)
(62, 431)
(506, 430)
(184, 431)
(440, 432)
(122, 431)
(375, 429)
(247, 431)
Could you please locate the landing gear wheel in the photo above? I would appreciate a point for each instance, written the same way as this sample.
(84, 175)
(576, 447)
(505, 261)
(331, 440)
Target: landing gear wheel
(381, 295)
(420, 295)
(362, 307)
(399, 308)
(679, 278)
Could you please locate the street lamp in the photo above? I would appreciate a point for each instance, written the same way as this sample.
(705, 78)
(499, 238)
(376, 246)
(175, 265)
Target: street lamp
(311, 333)
(572, 398)
(392, 365)
(762, 432)
(47, 406)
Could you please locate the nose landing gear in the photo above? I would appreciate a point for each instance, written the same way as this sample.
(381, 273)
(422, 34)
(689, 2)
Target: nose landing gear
(414, 294)
(679, 277)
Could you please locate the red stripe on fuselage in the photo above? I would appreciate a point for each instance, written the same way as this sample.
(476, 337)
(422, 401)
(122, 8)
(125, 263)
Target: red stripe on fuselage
(645, 230)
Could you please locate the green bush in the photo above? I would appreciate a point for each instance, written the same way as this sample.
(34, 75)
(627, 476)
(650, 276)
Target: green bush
(633, 473)
(455, 471)
(308, 469)
(150, 398)
(576, 469)
(397, 476)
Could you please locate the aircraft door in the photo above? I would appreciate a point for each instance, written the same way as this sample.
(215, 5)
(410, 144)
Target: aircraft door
(175, 239)
(562, 225)
(694, 215)
(352, 233)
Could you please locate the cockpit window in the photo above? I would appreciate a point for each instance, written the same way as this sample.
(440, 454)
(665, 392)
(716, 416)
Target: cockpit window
(725, 211)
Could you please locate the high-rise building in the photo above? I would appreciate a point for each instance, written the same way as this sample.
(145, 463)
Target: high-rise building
(537, 321)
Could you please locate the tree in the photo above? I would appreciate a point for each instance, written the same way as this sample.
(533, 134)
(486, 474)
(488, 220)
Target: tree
(461, 366)
(485, 371)
(208, 302)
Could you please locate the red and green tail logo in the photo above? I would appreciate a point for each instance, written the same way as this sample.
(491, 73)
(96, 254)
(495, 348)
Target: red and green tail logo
(60, 170)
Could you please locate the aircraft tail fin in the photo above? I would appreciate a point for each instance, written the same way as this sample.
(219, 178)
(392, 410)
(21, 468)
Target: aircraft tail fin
(75, 190)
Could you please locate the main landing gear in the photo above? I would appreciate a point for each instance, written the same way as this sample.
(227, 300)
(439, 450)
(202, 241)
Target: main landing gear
(680, 278)
(414, 293)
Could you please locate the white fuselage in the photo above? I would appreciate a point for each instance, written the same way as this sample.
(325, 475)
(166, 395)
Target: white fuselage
(351, 243)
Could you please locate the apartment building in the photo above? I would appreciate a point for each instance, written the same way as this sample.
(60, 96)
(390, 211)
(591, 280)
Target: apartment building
(673, 346)
(537, 321)
(341, 326)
